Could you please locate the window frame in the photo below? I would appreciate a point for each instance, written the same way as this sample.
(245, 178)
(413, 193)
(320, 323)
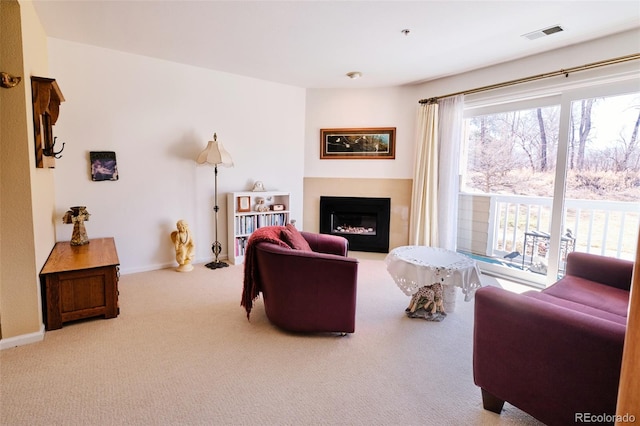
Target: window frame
(611, 81)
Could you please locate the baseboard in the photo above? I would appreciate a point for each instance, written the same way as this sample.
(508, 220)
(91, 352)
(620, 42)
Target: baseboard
(154, 267)
(157, 266)
(23, 339)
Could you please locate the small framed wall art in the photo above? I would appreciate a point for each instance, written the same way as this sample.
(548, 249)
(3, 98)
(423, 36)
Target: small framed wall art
(368, 143)
(103, 165)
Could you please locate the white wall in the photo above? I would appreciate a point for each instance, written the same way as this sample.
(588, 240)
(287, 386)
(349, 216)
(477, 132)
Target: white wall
(357, 108)
(605, 48)
(397, 106)
(157, 116)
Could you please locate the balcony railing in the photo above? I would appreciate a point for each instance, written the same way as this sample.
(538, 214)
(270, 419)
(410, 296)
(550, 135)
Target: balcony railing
(495, 225)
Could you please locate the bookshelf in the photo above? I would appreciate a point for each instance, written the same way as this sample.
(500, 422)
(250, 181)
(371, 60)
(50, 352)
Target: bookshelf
(244, 218)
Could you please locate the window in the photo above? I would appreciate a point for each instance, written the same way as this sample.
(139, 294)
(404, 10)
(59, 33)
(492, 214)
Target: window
(545, 176)
(603, 174)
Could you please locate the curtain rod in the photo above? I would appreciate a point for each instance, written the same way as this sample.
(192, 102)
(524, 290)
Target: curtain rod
(564, 72)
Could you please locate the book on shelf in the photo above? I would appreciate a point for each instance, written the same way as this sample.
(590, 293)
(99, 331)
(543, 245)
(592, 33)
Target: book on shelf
(240, 246)
(242, 223)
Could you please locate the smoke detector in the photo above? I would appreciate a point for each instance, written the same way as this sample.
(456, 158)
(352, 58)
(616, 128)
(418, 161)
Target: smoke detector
(543, 32)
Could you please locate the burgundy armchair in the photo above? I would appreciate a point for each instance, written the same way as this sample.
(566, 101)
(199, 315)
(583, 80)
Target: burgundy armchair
(309, 291)
(555, 354)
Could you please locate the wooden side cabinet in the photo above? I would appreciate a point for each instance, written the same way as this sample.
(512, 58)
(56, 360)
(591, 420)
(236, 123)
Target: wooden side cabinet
(80, 282)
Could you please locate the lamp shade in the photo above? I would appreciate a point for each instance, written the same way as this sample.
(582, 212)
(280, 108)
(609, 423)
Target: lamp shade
(215, 154)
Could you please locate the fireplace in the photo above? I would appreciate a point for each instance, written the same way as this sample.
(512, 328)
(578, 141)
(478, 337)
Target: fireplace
(362, 221)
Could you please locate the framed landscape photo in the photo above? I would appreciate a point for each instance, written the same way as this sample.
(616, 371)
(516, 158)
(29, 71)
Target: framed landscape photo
(103, 165)
(367, 143)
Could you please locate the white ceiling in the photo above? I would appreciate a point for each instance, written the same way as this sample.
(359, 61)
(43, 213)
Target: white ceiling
(313, 44)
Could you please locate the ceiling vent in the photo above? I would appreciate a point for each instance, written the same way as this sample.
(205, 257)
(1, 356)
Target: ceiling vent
(544, 32)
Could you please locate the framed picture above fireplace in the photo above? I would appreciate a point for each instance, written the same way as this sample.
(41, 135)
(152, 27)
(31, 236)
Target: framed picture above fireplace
(368, 143)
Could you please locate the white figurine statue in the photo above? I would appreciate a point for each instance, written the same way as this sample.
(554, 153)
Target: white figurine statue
(261, 206)
(184, 245)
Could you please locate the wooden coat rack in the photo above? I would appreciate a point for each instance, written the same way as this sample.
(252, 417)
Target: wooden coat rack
(46, 97)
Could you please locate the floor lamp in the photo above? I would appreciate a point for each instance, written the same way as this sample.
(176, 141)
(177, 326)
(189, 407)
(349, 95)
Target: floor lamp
(215, 154)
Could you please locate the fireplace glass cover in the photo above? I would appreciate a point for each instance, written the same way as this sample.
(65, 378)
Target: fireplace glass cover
(353, 223)
(363, 221)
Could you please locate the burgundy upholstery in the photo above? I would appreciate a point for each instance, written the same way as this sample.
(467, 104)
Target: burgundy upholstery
(557, 352)
(309, 291)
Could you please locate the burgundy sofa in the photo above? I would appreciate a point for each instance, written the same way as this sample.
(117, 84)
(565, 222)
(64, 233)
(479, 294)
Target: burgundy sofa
(309, 291)
(556, 353)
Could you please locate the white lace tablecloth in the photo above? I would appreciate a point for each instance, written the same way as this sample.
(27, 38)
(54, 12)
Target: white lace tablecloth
(412, 267)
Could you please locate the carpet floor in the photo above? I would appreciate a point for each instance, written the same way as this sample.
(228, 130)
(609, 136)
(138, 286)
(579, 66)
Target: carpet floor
(182, 352)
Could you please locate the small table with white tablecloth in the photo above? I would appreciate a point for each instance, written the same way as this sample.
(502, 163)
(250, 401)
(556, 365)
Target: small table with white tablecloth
(430, 275)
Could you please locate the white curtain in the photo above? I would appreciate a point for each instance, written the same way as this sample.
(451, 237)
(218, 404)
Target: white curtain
(434, 201)
(450, 119)
(423, 222)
